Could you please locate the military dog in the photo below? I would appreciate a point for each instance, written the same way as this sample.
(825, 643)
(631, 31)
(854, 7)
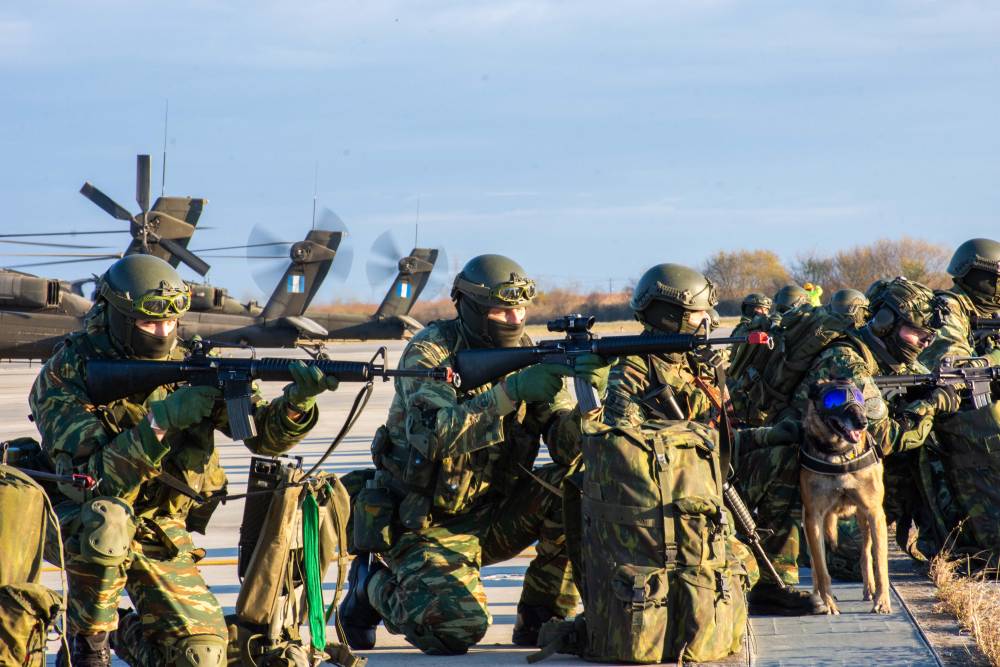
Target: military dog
(841, 475)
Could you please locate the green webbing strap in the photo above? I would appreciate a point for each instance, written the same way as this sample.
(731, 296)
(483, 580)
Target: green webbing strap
(314, 590)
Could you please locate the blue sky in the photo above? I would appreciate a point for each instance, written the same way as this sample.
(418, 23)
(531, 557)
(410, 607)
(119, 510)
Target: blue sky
(588, 139)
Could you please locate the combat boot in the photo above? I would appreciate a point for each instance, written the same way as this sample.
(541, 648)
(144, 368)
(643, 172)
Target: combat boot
(529, 621)
(768, 599)
(356, 614)
(87, 651)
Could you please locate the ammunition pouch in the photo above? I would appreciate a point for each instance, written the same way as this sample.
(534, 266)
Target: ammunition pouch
(374, 514)
(107, 526)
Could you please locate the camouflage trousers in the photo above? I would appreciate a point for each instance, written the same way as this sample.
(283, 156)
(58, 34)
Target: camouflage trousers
(162, 580)
(768, 480)
(433, 592)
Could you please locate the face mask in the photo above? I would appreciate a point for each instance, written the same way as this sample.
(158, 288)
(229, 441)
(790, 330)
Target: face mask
(484, 332)
(902, 350)
(136, 342)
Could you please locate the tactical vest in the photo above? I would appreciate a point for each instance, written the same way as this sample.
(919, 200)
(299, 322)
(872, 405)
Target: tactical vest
(426, 491)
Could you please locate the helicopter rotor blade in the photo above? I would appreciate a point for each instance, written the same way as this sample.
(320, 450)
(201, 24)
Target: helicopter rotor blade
(142, 168)
(385, 246)
(49, 244)
(342, 262)
(83, 233)
(441, 277)
(267, 273)
(196, 264)
(109, 205)
(65, 261)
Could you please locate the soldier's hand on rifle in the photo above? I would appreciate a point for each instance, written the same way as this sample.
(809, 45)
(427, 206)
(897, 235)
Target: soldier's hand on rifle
(309, 382)
(536, 384)
(945, 400)
(183, 408)
(594, 369)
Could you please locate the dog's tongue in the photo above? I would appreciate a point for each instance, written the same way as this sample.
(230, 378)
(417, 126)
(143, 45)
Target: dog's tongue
(854, 435)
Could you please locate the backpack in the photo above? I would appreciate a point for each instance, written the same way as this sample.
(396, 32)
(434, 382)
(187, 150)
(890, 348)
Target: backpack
(27, 609)
(660, 577)
(763, 387)
(298, 531)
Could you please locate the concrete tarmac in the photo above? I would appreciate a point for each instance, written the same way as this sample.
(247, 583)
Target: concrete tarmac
(855, 637)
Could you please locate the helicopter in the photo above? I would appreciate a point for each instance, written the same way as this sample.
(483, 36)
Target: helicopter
(36, 313)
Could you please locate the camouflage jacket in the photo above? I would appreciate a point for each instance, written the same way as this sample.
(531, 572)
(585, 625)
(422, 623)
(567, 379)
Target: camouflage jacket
(955, 337)
(461, 449)
(632, 377)
(893, 432)
(115, 444)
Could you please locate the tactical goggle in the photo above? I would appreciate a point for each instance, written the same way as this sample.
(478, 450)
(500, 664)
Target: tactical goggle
(837, 396)
(162, 305)
(157, 304)
(513, 293)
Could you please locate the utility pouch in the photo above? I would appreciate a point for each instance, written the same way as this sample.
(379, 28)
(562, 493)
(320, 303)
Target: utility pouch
(374, 509)
(415, 511)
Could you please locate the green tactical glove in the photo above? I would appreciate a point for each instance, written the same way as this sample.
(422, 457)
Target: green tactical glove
(309, 382)
(945, 400)
(537, 384)
(594, 369)
(785, 432)
(184, 407)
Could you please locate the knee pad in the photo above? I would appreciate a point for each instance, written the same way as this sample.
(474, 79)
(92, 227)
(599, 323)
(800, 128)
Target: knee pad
(199, 651)
(107, 528)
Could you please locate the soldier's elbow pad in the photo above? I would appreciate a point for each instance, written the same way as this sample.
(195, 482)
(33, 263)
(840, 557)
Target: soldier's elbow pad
(107, 528)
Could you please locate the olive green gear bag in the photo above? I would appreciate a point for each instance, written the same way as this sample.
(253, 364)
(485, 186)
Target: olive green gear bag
(28, 610)
(762, 386)
(274, 597)
(660, 579)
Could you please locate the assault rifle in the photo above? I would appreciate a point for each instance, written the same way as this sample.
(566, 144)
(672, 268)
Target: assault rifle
(113, 379)
(476, 367)
(975, 382)
(985, 323)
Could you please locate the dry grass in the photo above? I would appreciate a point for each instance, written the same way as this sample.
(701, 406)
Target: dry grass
(974, 600)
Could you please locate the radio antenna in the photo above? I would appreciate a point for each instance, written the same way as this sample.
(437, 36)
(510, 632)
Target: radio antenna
(163, 167)
(315, 190)
(416, 227)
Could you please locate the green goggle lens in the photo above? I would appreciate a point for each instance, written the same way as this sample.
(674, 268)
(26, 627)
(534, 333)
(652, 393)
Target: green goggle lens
(160, 305)
(515, 293)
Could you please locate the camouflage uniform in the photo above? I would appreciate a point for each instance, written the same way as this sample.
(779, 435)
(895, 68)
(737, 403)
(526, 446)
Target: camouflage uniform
(959, 479)
(630, 379)
(460, 467)
(895, 436)
(115, 444)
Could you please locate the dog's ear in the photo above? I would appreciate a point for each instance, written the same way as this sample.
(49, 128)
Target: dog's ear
(815, 389)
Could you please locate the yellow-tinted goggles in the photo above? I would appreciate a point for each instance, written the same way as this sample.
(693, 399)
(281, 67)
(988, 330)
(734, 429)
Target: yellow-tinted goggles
(162, 305)
(515, 293)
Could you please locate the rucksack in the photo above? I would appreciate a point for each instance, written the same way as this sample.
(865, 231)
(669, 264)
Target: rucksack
(661, 577)
(28, 610)
(763, 387)
(299, 530)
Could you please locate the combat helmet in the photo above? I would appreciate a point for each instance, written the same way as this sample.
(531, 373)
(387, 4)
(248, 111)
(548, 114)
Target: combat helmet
(753, 301)
(140, 288)
(899, 302)
(788, 297)
(666, 293)
(491, 281)
(852, 303)
(975, 267)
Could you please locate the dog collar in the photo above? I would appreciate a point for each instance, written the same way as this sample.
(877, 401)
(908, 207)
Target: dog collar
(823, 467)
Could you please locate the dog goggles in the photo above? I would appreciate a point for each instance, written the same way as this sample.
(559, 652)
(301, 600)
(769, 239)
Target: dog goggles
(838, 395)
